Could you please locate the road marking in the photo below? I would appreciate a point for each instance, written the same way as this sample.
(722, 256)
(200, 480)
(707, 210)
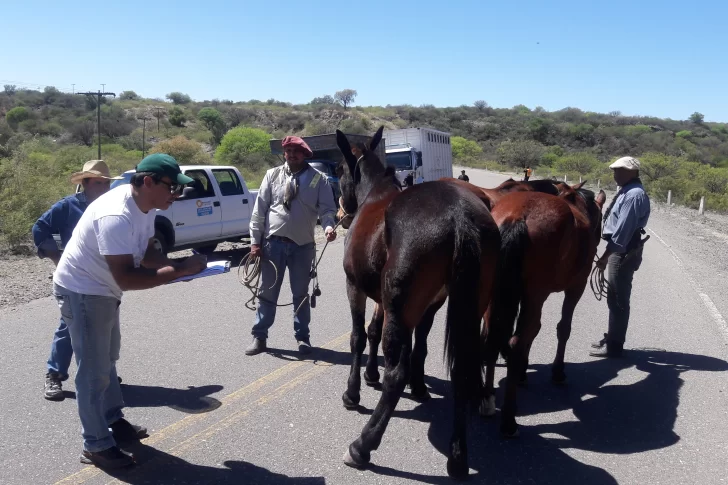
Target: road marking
(91, 471)
(709, 305)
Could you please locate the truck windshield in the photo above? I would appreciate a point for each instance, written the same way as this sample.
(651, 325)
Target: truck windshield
(399, 160)
(125, 180)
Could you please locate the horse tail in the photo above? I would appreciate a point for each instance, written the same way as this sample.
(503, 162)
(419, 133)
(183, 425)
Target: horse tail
(508, 291)
(462, 327)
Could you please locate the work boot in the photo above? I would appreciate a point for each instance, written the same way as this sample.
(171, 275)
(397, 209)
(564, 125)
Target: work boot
(609, 350)
(304, 346)
(256, 347)
(124, 431)
(53, 390)
(113, 457)
(601, 343)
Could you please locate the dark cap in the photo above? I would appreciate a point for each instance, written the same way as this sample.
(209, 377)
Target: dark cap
(163, 164)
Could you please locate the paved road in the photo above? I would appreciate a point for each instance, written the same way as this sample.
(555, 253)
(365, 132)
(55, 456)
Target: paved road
(658, 416)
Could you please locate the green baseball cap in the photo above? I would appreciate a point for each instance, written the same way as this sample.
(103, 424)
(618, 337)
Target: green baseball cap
(163, 164)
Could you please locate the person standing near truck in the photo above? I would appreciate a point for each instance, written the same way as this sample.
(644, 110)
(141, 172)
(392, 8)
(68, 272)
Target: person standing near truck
(111, 251)
(463, 176)
(61, 219)
(290, 200)
(527, 173)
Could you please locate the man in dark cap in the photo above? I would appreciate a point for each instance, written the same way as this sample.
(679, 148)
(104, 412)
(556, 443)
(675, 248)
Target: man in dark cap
(291, 198)
(111, 251)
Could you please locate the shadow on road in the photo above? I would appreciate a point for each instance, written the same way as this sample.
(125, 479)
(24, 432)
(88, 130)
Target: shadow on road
(155, 466)
(612, 419)
(193, 400)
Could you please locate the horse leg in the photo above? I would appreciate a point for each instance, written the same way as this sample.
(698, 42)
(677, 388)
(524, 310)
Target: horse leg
(396, 347)
(374, 334)
(529, 324)
(563, 331)
(419, 353)
(357, 302)
(490, 357)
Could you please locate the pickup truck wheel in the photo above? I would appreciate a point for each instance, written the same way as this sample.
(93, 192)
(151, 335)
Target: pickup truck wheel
(160, 242)
(207, 250)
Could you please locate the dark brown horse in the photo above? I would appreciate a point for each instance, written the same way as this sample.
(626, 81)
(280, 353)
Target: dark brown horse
(548, 244)
(409, 251)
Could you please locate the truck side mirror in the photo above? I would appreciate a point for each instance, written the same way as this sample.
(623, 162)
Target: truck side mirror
(189, 193)
(419, 159)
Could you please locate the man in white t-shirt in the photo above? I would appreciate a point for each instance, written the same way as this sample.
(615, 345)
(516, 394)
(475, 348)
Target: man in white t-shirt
(111, 251)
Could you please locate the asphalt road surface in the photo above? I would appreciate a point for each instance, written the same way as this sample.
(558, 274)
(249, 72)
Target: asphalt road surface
(656, 416)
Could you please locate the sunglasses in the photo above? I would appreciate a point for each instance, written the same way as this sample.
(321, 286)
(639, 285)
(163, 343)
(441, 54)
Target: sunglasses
(173, 188)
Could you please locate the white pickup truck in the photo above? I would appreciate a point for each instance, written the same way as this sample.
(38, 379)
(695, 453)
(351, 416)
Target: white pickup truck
(214, 208)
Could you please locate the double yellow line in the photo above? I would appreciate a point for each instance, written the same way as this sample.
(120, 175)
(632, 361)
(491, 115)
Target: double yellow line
(165, 433)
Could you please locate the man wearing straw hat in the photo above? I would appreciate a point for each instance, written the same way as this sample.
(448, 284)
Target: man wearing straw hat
(61, 219)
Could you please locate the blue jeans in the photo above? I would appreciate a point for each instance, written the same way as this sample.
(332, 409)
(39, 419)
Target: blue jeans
(61, 351)
(298, 260)
(93, 323)
(620, 272)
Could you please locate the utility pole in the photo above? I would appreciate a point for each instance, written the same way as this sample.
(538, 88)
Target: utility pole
(159, 115)
(98, 113)
(144, 135)
(103, 87)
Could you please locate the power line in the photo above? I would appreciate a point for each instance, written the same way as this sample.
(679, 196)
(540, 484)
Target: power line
(98, 112)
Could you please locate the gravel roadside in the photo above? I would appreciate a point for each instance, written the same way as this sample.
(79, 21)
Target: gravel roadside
(25, 277)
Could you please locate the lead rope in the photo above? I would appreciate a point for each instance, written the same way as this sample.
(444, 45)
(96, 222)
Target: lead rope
(251, 275)
(599, 284)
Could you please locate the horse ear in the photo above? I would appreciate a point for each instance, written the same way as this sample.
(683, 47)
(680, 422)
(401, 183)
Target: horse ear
(376, 139)
(601, 198)
(343, 142)
(579, 185)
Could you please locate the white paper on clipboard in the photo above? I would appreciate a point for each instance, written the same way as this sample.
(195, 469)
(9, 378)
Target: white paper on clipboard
(213, 268)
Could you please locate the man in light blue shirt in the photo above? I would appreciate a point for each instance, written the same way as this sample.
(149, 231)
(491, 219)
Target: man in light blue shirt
(624, 222)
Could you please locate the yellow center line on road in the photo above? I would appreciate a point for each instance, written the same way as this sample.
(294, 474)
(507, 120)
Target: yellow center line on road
(223, 424)
(91, 471)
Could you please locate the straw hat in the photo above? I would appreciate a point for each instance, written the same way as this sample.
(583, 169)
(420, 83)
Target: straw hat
(93, 169)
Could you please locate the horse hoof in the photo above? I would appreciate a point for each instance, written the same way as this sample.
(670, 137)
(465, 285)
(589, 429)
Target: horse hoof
(457, 470)
(371, 382)
(350, 461)
(421, 395)
(508, 434)
(487, 407)
(350, 403)
(558, 379)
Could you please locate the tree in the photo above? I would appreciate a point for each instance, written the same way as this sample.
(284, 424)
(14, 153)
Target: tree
(480, 105)
(464, 151)
(184, 150)
(327, 99)
(178, 98)
(697, 118)
(130, 95)
(177, 116)
(10, 89)
(345, 97)
(212, 119)
(519, 153)
(241, 142)
(17, 115)
(581, 163)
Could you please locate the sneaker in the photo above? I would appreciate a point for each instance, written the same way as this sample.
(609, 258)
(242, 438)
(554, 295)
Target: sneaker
(609, 350)
(124, 431)
(304, 346)
(113, 457)
(256, 347)
(53, 390)
(601, 343)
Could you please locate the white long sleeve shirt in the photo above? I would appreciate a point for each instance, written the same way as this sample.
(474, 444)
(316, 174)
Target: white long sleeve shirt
(315, 200)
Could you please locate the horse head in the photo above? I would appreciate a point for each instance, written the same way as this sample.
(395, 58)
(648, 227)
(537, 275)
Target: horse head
(589, 203)
(360, 171)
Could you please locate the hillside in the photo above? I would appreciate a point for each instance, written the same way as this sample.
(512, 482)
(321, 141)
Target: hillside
(46, 135)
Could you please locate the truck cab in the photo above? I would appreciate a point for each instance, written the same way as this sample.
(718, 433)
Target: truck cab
(418, 154)
(405, 160)
(216, 207)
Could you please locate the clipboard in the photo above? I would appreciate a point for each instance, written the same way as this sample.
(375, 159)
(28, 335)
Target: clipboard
(213, 268)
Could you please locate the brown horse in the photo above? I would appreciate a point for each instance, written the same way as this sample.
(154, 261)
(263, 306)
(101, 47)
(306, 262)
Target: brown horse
(409, 251)
(548, 244)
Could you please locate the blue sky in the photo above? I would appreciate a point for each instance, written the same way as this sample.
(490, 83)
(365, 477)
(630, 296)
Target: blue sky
(642, 57)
